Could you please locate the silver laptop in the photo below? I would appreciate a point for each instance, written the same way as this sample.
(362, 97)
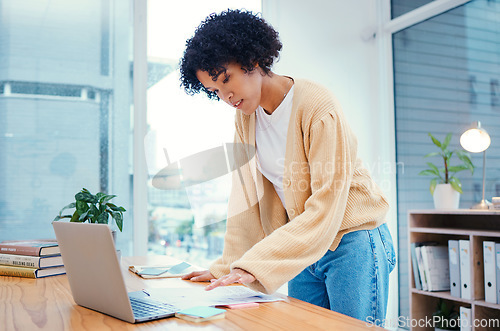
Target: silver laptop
(95, 276)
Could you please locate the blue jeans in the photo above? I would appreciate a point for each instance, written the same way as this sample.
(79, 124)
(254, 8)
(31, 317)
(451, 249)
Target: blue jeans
(353, 279)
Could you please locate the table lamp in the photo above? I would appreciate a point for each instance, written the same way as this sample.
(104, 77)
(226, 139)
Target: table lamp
(477, 140)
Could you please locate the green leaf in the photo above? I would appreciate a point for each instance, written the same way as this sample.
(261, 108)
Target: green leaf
(433, 167)
(428, 172)
(75, 217)
(103, 218)
(457, 168)
(456, 184)
(118, 217)
(435, 141)
(107, 198)
(115, 208)
(99, 196)
(465, 158)
(59, 217)
(71, 205)
(85, 197)
(433, 185)
(447, 156)
(446, 141)
(94, 214)
(432, 154)
(81, 207)
(83, 217)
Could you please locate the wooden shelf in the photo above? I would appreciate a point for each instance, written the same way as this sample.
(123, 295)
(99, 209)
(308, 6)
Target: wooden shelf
(487, 304)
(455, 212)
(467, 232)
(441, 226)
(443, 295)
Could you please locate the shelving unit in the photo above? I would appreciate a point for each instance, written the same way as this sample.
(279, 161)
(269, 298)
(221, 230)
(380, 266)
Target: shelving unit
(441, 226)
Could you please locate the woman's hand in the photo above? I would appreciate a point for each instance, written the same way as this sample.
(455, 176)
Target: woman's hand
(199, 276)
(235, 276)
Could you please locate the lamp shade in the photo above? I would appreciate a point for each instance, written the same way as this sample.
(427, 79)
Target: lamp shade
(475, 139)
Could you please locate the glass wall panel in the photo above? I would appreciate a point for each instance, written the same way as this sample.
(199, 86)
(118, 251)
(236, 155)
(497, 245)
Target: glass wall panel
(65, 96)
(446, 75)
(186, 220)
(400, 7)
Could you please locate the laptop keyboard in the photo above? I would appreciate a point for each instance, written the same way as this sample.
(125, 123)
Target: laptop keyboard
(143, 308)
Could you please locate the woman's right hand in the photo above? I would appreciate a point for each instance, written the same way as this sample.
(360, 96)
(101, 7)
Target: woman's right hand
(199, 276)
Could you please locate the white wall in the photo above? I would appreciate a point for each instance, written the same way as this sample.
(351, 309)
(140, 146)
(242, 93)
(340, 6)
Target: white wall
(322, 41)
(331, 43)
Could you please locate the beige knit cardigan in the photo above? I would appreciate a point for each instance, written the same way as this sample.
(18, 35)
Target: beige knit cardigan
(328, 193)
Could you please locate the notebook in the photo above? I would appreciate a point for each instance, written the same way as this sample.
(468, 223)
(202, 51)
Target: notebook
(95, 276)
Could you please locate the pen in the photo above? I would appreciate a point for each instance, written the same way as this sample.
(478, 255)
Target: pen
(146, 292)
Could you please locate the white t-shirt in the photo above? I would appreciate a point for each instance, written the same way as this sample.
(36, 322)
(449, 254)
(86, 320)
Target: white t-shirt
(270, 140)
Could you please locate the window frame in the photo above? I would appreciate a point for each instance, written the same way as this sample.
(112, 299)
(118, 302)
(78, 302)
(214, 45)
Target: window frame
(140, 172)
(387, 28)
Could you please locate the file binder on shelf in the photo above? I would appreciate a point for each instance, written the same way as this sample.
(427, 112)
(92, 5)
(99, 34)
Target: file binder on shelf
(465, 269)
(490, 282)
(463, 231)
(465, 319)
(454, 260)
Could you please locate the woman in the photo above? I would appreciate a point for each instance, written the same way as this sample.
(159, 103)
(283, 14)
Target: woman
(304, 210)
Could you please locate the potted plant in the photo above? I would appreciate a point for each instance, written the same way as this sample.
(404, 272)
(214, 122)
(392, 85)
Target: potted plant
(445, 317)
(93, 209)
(445, 187)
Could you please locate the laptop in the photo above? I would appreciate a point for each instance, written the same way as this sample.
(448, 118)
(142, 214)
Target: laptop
(95, 276)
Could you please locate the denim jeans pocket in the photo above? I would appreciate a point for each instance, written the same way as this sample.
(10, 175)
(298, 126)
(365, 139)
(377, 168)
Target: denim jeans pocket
(386, 238)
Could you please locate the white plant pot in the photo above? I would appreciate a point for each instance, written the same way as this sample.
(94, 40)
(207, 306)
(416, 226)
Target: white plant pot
(445, 197)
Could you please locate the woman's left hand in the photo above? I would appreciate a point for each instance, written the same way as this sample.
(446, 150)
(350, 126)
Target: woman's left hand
(235, 276)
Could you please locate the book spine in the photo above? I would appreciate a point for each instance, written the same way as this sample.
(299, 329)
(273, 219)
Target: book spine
(20, 260)
(420, 263)
(439, 269)
(20, 250)
(425, 261)
(414, 264)
(6, 270)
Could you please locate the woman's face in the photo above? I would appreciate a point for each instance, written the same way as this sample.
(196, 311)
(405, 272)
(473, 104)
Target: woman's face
(237, 87)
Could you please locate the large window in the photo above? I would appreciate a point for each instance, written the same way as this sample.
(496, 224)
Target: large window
(446, 75)
(185, 220)
(65, 96)
(400, 7)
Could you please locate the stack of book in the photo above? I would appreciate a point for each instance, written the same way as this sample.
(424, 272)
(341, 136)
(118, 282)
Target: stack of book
(430, 266)
(32, 259)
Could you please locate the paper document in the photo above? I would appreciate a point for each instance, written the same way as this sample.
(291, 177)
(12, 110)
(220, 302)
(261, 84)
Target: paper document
(162, 271)
(197, 296)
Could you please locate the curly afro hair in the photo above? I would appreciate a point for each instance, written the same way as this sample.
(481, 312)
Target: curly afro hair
(231, 36)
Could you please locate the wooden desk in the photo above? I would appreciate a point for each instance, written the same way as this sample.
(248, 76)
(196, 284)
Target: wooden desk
(47, 304)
